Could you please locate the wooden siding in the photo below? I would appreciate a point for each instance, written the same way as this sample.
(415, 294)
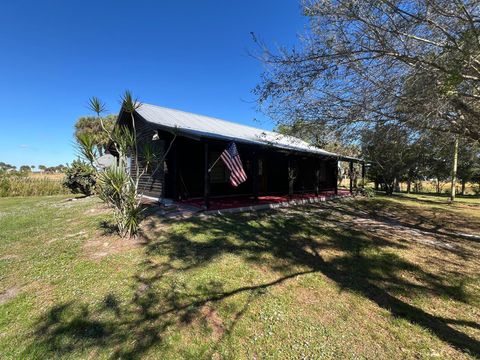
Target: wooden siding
(152, 182)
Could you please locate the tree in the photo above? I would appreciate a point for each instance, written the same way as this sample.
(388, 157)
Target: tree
(387, 148)
(60, 168)
(468, 163)
(319, 135)
(430, 155)
(96, 127)
(417, 160)
(42, 168)
(360, 61)
(25, 169)
(6, 167)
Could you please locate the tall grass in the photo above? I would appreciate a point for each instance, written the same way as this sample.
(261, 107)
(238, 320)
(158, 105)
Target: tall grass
(28, 186)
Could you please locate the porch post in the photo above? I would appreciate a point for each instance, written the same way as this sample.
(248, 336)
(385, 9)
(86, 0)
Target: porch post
(335, 172)
(206, 176)
(351, 176)
(255, 176)
(290, 176)
(174, 171)
(317, 176)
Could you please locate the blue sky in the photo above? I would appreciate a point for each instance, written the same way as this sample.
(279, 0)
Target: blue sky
(188, 55)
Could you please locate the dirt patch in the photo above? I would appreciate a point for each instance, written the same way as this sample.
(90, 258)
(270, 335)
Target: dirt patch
(213, 320)
(101, 246)
(98, 210)
(9, 294)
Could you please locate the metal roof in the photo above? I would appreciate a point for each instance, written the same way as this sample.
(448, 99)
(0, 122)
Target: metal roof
(209, 127)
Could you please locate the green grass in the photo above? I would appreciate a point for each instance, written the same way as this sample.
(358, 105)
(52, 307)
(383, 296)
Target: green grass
(366, 278)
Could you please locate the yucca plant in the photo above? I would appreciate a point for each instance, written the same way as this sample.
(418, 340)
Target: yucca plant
(130, 104)
(87, 148)
(117, 188)
(116, 185)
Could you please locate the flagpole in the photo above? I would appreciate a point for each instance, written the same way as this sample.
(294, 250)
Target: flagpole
(211, 167)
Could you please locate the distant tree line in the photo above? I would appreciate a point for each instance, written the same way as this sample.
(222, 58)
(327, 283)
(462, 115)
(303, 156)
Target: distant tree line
(25, 169)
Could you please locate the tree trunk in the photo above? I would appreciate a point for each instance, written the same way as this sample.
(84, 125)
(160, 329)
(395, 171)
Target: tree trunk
(463, 187)
(438, 185)
(454, 169)
(389, 187)
(409, 185)
(376, 184)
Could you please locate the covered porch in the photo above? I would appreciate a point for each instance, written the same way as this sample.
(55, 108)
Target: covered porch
(194, 175)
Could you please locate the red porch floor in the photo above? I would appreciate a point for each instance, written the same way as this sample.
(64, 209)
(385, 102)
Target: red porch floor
(238, 202)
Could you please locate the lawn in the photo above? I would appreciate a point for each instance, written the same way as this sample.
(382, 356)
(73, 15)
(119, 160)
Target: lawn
(379, 278)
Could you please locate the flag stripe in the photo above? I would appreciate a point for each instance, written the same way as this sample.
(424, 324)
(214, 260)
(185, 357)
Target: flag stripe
(233, 174)
(231, 158)
(240, 173)
(238, 165)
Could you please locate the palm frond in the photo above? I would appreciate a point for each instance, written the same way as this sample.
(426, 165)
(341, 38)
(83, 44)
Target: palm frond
(96, 105)
(87, 146)
(129, 103)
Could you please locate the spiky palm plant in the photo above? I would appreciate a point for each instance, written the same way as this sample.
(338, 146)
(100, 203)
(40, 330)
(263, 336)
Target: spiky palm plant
(117, 189)
(87, 147)
(130, 104)
(98, 107)
(116, 186)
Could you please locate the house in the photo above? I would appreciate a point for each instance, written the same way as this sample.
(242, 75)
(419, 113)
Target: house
(274, 163)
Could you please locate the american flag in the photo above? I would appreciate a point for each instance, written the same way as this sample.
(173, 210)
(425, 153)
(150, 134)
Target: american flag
(231, 158)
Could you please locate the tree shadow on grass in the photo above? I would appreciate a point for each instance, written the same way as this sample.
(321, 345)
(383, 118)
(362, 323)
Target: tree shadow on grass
(433, 221)
(361, 268)
(289, 244)
(108, 227)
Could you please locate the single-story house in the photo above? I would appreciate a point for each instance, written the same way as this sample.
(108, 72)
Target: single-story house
(274, 163)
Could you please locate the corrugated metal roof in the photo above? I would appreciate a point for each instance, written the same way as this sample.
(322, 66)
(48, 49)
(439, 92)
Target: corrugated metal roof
(205, 126)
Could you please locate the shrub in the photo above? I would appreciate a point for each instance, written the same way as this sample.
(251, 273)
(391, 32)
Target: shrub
(80, 178)
(476, 189)
(364, 191)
